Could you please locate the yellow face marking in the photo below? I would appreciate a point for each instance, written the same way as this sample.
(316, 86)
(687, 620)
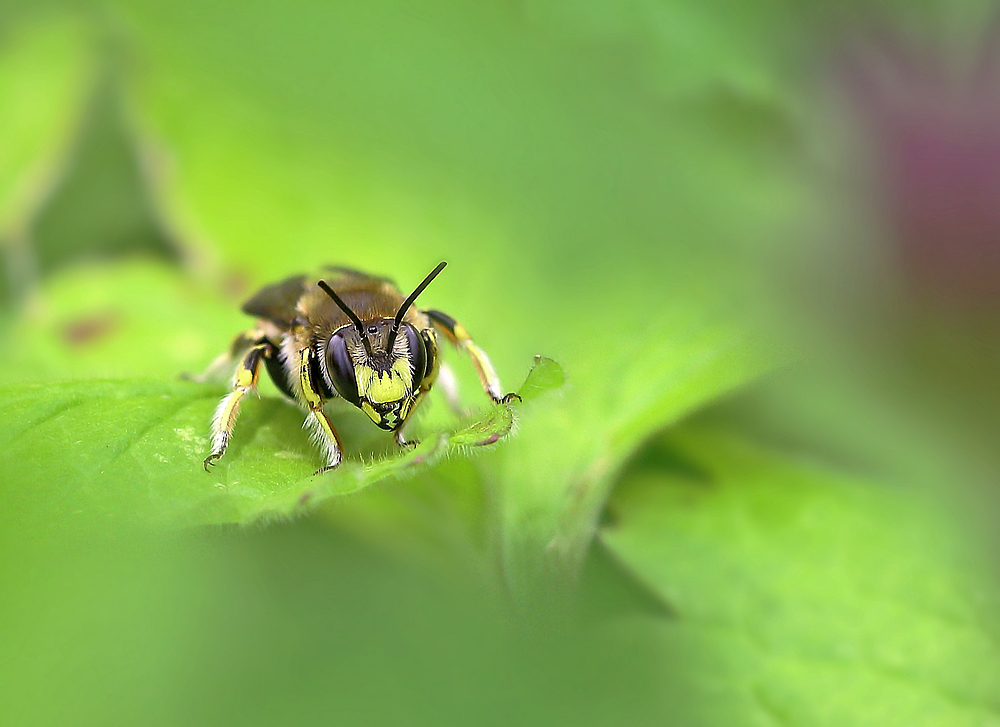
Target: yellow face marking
(393, 388)
(363, 375)
(384, 386)
(401, 369)
(390, 419)
(370, 411)
(387, 387)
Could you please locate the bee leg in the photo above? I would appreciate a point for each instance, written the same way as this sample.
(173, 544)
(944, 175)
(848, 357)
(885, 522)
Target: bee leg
(456, 333)
(228, 410)
(323, 433)
(326, 438)
(403, 442)
(221, 367)
(401, 438)
(449, 385)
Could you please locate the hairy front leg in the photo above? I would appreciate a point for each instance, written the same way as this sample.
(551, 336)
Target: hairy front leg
(244, 380)
(323, 434)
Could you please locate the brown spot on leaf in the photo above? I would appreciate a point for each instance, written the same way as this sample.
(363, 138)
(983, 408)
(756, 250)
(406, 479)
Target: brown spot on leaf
(90, 328)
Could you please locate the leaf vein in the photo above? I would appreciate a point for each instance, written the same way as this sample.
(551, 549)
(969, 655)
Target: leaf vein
(47, 418)
(145, 429)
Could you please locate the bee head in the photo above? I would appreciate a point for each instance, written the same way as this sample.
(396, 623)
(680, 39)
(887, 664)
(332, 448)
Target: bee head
(379, 365)
(380, 379)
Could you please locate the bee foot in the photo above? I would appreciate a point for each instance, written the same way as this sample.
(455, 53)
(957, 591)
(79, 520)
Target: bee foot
(509, 398)
(211, 460)
(406, 443)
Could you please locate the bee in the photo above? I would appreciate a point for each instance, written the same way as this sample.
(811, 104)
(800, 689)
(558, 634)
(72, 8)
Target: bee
(351, 336)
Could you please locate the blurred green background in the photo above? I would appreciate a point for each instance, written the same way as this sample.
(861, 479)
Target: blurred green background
(752, 481)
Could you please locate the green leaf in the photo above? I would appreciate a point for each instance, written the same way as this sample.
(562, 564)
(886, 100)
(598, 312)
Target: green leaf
(548, 375)
(112, 452)
(808, 597)
(47, 69)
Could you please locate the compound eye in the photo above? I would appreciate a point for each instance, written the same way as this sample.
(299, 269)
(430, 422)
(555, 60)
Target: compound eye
(342, 369)
(418, 355)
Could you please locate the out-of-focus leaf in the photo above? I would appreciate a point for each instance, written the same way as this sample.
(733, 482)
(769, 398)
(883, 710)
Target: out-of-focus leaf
(101, 209)
(107, 452)
(47, 68)
(812, 597)
(135, 319)
(288, 625)
(560, 490)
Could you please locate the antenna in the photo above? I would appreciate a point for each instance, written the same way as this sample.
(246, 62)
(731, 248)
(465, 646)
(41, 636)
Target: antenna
(409, 301)
(350, 314)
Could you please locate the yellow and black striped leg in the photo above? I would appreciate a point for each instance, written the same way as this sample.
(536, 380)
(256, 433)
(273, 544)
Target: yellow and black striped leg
(323, 433)
(456, 333)
(228, 410)
(325, 437)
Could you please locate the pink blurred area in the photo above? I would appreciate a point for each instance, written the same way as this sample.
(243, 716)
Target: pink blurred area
(934, 121)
